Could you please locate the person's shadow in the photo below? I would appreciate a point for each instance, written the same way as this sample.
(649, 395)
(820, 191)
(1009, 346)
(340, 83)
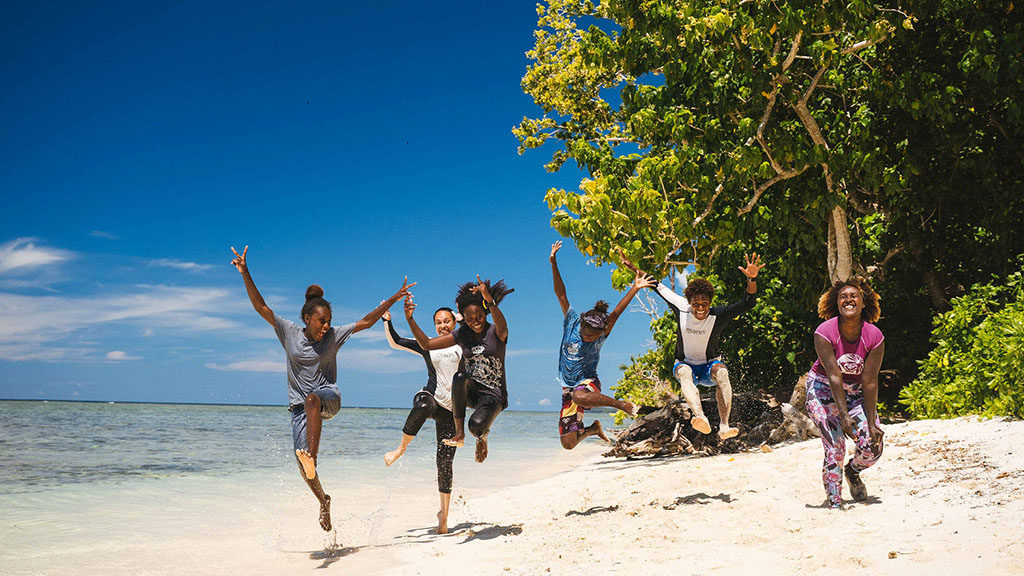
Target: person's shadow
(869, 501)
(698, 498)
(332, 554)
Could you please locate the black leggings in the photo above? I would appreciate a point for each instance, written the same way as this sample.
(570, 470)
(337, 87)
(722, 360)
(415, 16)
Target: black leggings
(424, 406)
(466, 392)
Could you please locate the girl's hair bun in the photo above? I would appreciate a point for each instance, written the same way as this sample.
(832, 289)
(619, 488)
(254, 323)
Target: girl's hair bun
(314, 291)
(601, 307)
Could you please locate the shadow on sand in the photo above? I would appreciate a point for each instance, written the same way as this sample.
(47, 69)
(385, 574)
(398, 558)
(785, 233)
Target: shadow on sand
(698, 498)
(592, 510)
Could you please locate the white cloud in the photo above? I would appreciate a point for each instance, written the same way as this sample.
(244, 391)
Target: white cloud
(30, 325)
(23, 253)
(544, 402)
(102, 234)
(179, 265)
(276, 366)
(118, 355)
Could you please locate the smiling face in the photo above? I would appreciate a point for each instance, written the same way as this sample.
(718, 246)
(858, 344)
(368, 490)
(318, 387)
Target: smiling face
(851, 302)
(700, 306)
(317, 323)
(475, 318)
(444, 322)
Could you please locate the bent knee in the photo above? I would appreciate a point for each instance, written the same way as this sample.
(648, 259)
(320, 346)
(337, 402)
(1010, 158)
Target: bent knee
(568, 441)
(312, 402)
(684, 374)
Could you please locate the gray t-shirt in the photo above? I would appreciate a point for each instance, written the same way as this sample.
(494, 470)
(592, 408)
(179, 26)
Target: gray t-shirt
(483, 357)
(311, 365)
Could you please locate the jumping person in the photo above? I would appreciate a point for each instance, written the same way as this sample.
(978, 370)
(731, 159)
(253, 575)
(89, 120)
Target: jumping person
(699, 328)
(312, 369)
(481, 382)
(842, 386)
(582, 338)
(433, 401)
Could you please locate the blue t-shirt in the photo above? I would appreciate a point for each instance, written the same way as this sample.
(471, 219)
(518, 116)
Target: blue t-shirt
(577, 360)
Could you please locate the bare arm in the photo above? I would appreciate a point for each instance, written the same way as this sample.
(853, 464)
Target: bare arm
(250, 288)
(556, 277)
(641, 281)
(500, 327)
(421, 338)
(375, 314)
(869, 381)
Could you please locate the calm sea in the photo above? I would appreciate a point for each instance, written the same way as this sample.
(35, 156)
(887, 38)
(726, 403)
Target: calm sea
(82, 483)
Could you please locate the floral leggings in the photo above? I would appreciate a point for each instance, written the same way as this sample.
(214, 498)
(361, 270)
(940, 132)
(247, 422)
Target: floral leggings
(822, 409)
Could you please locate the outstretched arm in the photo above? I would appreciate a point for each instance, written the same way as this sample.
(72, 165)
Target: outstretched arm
(421, 338)
(250, 288)
(641, 281)
(379, 311)
(556, 277)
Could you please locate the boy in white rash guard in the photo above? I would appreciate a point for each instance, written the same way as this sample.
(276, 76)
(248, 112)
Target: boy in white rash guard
(700, 326)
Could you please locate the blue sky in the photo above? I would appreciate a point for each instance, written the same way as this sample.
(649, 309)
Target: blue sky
(348, 144)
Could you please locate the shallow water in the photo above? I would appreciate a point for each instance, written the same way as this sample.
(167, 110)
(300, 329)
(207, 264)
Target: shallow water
(151, 486)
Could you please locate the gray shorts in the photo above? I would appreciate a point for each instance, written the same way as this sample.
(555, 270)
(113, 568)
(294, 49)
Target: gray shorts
(330, 403)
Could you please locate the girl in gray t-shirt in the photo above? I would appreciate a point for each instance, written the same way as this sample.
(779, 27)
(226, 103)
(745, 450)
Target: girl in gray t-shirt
(312, 367)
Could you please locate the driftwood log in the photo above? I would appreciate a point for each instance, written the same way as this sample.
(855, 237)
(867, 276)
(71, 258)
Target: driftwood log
(762, 421)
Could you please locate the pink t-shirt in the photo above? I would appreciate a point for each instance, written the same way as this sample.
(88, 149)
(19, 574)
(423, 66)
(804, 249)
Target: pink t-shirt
(850, 356)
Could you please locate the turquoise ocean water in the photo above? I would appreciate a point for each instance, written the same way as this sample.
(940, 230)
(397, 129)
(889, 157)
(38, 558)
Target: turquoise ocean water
(83, 483)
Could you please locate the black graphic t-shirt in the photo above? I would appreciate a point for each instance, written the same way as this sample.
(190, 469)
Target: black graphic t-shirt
(483, 358)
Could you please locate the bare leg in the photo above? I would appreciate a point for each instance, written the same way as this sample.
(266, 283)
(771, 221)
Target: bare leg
(442, 515)
(395, 454)
(459, 439)
(307, 458)
(325, 499)
(590, 399)
(685, 376)
(720, 375)
(572, 439)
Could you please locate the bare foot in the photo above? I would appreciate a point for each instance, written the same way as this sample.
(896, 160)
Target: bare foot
(325, 514)
(701, 424)
(307, 462)
(481, 449)
(442, 523)
(458, 440)
(599, 431)
(395, 454)
(727, 432)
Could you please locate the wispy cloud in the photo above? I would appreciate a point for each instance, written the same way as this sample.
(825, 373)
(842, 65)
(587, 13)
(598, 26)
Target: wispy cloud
(24, 253)
(544, 402)
(102, 234)
(250, 366)
(118, 355)
(179, 265)
(30, 325)
(528, 352)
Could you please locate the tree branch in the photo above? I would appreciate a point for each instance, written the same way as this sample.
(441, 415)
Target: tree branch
(718, 190)
(760, 189)
(862, 45)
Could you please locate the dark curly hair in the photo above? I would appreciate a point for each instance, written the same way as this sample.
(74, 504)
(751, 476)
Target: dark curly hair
(597, 317)
(828, 304)
(698, 287)
(466, 297)
(314, 300)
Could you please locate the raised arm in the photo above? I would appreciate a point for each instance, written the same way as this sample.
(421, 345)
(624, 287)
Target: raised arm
(751, 270)
(250, 288)
(500, 327)
(556, 278)
(395, 340)
(375, 314)
(641, 281)
(421, 338)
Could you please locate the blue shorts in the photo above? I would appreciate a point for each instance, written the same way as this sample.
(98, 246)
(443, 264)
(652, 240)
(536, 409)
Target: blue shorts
(330, 403)
(701, 372)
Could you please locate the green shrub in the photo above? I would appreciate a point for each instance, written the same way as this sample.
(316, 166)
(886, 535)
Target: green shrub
(977, 365)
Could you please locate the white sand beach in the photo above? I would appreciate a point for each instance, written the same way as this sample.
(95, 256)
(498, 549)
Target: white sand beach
(946, 498)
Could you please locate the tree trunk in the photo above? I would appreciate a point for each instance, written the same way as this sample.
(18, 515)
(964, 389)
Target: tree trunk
(840, 256)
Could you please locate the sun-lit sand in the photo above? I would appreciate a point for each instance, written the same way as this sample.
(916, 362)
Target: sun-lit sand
(946, 498)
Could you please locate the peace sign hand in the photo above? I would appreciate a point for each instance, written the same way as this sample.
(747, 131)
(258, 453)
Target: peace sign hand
(481, 289)
(753, 266)
(239, 261)
(404, 290)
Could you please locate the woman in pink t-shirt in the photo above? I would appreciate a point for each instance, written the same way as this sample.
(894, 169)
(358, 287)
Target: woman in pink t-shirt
(842, 386)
